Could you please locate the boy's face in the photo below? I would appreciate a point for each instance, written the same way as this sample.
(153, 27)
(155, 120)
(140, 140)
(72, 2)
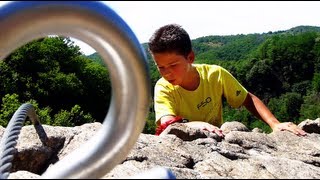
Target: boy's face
(173, 67)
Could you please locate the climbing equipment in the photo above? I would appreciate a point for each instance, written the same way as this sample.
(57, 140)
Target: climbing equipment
(11, 135)
(100, 27)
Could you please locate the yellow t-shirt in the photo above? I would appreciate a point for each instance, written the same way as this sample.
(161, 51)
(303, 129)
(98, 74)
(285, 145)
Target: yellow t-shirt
(204, 103)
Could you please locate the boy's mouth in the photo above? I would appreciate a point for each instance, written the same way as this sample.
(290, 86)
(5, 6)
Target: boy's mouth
(171, 81)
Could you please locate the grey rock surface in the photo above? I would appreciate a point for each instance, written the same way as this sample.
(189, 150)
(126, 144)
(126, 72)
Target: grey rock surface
(186, 152)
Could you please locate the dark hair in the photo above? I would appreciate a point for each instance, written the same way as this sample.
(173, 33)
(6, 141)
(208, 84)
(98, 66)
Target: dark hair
(170, 38)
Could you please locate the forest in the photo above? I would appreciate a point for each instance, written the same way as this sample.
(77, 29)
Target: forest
(68, 88)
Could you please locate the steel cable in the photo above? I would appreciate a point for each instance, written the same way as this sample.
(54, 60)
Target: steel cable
(11, 135)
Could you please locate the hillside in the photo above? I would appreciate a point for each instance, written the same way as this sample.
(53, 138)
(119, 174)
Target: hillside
(281, 67)
(230, 47)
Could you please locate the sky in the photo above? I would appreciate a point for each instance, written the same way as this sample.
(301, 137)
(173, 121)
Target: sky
(204, 18)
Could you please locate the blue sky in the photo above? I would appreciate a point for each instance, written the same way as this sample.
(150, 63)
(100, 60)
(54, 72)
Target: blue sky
(203, 18)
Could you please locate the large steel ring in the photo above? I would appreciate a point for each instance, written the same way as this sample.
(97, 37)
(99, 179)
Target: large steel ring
(100, 27)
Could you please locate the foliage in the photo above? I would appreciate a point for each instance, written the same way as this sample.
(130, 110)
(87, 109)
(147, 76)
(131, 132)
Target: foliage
(95, 57)
(75, 117)
(68, 89)
(286, 108)
(52, 72)
(310, 109)
(150, 126)
(316, 82)
(10, 103)
(263, 80)
(235, 47)
(240, 114)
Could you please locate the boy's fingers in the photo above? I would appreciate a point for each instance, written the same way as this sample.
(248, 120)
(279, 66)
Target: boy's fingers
(300, 132)
(295, 129)
(214, 130)
(218, 132)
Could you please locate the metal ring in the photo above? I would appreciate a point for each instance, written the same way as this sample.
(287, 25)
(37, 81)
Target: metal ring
(100, 27)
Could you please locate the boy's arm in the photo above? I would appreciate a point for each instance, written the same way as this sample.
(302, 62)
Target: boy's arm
(165, 121)
(261, 111)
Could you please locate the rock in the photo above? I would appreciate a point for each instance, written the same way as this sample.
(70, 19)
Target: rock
(187, 153)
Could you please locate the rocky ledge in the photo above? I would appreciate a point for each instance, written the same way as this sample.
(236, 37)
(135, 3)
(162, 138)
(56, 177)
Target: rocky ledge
(188, 153)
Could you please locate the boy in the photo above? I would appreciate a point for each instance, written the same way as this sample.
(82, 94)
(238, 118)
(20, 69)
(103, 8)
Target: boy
(193, 92)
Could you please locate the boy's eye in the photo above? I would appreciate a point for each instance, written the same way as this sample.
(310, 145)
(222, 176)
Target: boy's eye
(162, 68)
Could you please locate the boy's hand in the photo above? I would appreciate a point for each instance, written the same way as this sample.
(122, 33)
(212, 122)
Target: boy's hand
(205, 126)
(289, 126)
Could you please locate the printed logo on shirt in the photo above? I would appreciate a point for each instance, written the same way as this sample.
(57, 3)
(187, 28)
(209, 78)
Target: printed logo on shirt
(204, 102)
(238, 92)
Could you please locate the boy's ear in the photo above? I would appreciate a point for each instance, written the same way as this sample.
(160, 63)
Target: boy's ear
(191, 57)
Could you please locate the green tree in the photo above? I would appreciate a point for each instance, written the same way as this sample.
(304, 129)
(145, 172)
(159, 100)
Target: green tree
(316, 82)
(310, 109)
(97, 90)
(10, 103)
(287, 107)
(56, 75)
(72, 118)
(263, 81)
(150, 126)
(291, 57)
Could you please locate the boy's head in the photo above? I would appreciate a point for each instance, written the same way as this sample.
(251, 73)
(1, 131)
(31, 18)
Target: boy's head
(171, 50)
(171, 38)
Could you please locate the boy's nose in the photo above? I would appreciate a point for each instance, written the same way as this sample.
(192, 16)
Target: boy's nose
(166, 71)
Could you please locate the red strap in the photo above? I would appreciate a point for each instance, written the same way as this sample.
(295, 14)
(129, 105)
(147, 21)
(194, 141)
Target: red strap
(164, 125)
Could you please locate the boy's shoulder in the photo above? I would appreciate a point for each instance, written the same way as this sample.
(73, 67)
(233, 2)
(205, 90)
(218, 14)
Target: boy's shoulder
(163, 82)
(164, 85)
(207, 67)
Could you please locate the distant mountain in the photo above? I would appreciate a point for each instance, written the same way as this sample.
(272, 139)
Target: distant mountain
(228, 47)
(237, 47)
(96, 58)
(300, 29)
